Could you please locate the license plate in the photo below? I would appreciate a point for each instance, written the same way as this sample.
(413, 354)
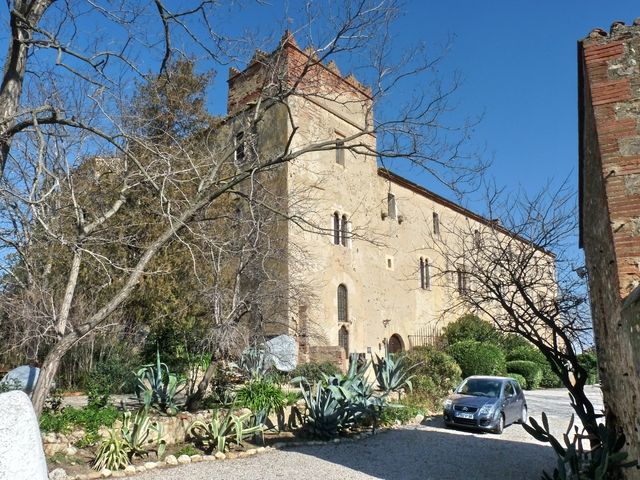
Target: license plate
(468, 416)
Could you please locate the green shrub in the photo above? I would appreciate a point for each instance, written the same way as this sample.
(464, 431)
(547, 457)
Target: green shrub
(314, 372)
(520, 379)
(400, 413)
(477, 358)
(435, 374)
(260, 396)
(90, 419)
(471, 327)
(531, 371)
(511, 341)
(188, 450)
(589, 362)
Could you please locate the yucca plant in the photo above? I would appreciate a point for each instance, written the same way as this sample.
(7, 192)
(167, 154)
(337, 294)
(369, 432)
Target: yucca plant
(157, 387)
(393, 373)
(112, 452)
(222, 429)
(132, 439)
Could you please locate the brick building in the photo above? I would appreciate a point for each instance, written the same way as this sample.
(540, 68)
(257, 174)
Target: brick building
(609, 125)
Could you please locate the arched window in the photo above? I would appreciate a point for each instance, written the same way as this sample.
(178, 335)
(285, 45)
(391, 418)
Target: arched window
(336, 228)
(343, 339)
(343, 305)
(344, 231)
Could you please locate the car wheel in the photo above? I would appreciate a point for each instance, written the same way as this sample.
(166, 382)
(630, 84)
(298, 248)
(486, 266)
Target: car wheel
(500, 426)
(523, 414)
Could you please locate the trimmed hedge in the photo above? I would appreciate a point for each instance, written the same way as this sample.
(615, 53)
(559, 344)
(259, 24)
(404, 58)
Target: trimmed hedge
(477, 358)
(520, 379)
(532, 354)
(531, 371)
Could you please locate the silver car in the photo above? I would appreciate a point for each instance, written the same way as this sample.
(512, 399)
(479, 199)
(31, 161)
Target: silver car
(486, 403)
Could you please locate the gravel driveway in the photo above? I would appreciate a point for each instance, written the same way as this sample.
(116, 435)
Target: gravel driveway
(426, 451)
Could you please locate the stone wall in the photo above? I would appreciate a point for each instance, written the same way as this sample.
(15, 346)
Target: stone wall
(609, 97)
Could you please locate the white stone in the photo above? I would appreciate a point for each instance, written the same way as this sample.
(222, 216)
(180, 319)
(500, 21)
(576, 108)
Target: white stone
(21, 453)
(129, 469)
(220, 456)
(184, 459)
(196, 458)
(58, 474)
(171, 460)
(150, 465)
(105, 472)
(141, 469)
(70, 450)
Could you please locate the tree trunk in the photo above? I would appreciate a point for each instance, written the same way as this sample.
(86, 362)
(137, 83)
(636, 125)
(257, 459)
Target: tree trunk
(48, 371)
(14, 68)
(195, 399)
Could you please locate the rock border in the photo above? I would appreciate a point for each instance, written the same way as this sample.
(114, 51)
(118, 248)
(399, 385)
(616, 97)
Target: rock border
(172, 461)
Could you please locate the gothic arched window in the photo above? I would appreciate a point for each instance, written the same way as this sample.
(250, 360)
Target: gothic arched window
(343, 303)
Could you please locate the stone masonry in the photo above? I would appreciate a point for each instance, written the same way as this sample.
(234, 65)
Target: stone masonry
(609, 116)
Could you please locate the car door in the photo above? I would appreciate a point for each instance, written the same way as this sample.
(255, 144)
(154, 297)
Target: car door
(510, 404)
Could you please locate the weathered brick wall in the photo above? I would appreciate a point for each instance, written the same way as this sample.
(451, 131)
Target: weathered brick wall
(612, 74)
(610, 209)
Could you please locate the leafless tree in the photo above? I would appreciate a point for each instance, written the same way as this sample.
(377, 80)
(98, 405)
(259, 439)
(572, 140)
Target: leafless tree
(82, 165)
(520, 270)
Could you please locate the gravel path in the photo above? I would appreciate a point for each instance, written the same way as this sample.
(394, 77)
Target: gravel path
(426, 451)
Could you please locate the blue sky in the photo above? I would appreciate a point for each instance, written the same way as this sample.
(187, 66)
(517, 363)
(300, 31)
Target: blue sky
(518, 62)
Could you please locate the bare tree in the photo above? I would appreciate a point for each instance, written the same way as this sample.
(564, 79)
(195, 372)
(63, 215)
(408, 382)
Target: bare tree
(520, 271)
(94, 188)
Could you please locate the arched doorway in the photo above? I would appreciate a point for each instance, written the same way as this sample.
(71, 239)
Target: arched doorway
(395, 344)
(343, 339)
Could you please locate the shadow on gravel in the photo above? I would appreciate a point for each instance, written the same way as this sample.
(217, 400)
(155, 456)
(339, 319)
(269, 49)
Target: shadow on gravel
(418, 453)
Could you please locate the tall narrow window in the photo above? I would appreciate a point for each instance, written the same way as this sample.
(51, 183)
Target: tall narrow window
(344, 231)
(436, 224)
(336, 228)
(477, 241)
(343, 339)
(340, 150)
(343, 303)
(462, 282)
(425, 274)
(239, 148)
(391, 206)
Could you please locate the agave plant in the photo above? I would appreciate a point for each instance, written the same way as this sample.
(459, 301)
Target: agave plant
(255, 364)
(222, 429)
(340, 401)
(393, 374)
(157, 387)
(136, 433)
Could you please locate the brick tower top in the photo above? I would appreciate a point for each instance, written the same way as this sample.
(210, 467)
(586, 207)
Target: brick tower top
(289, 67)
(609, 106)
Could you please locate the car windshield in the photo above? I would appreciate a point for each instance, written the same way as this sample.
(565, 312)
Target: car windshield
(480, 387)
